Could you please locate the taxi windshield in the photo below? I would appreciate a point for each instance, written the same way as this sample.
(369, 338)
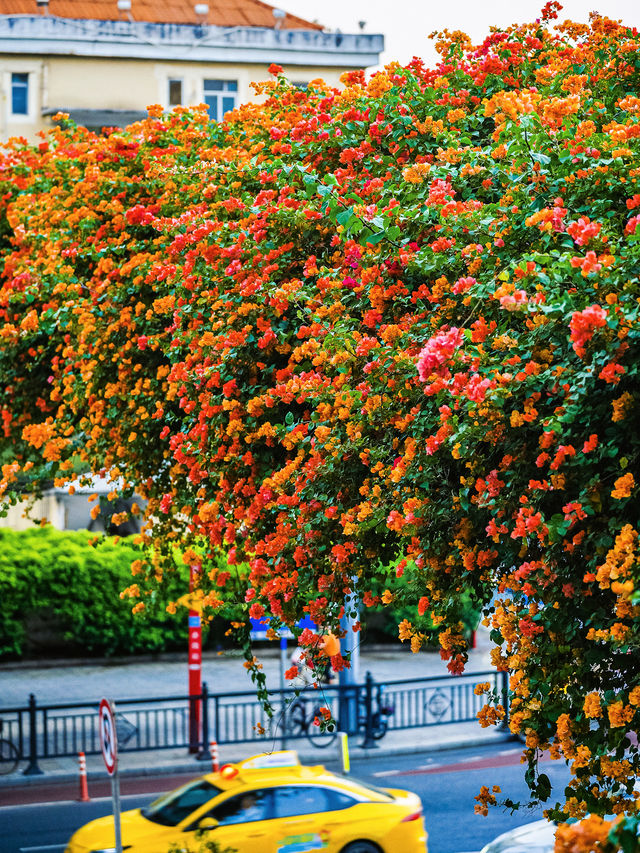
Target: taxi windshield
(357, 786)
(171, 809)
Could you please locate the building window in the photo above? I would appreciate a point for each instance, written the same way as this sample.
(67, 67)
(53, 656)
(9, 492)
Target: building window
(20, 94)
(220, 96)
(175, 93)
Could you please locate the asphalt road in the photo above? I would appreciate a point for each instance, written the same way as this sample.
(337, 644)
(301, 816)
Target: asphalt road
(446, 782)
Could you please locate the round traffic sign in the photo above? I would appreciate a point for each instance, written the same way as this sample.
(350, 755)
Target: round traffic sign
(108, 736)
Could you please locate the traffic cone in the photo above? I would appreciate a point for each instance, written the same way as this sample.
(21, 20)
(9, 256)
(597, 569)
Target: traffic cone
(84, 790)
(215, 761)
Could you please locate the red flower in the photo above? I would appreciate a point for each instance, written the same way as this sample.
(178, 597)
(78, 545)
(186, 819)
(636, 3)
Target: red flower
(612, 373)
(583, 324)
(256, 611)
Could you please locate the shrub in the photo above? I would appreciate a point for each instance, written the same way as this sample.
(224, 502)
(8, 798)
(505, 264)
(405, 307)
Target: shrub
(68, 593)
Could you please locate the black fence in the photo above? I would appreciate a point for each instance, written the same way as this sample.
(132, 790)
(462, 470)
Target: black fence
(371, 709)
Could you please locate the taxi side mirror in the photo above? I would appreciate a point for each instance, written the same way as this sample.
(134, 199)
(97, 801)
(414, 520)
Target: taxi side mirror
(208, 823)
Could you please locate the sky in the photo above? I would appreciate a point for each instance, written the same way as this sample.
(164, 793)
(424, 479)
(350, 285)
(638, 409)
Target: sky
(407, 23)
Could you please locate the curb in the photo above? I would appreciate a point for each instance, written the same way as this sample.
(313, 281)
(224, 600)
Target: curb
(196, 768)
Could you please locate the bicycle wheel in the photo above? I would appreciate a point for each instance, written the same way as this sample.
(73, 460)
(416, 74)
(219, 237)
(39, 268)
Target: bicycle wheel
(319, 738)
(296, 720)
(380, 726)
(9, 757)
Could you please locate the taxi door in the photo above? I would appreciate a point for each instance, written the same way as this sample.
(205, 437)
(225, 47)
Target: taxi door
(307, 819)
(243, 823)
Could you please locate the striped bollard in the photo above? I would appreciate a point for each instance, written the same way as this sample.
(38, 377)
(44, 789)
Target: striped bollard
(215, 762)
(84, 789)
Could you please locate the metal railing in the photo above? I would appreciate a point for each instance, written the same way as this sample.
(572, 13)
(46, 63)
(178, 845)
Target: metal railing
(65, 729)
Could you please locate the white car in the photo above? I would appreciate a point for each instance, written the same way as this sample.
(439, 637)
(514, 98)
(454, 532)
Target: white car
(536, 837)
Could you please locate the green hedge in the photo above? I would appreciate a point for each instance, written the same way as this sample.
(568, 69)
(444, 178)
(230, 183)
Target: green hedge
(60, 594)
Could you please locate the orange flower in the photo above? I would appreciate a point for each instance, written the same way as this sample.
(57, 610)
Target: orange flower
(592, 707)
(623, 486)
(619, 714)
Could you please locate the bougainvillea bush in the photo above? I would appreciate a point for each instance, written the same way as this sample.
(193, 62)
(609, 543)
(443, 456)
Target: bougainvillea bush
(394, 324)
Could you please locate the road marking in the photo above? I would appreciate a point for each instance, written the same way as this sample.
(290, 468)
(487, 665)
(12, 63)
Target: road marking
(508, 751)
(44, 847)
(388, 773)
(472, 758)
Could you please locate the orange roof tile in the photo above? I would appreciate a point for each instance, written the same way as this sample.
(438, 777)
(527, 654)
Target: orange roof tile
(222, 13)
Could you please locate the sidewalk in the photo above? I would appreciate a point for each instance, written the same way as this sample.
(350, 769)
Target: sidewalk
(89, 681)
(119, 679)
(163, 762)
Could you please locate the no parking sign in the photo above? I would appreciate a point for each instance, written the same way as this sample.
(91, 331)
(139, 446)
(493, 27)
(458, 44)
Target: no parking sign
(108, 736)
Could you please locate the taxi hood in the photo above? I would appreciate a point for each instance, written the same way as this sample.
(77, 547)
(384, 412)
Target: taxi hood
(100, 834)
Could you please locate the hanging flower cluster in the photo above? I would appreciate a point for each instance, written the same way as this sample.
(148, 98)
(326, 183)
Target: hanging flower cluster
(378, 341)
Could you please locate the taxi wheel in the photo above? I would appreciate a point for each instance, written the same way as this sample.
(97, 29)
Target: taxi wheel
(361, 847)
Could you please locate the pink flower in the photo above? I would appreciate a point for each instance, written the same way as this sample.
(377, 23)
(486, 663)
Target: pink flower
(588, 264)
(463, 284)
(583, 230)
(632, 224)
(477, 388)
(437, 352)
(515, 301)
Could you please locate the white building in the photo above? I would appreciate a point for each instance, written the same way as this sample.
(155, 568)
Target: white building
(105, 61)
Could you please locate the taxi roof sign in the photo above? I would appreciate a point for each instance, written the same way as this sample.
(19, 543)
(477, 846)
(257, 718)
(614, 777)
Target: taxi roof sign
(271, 760)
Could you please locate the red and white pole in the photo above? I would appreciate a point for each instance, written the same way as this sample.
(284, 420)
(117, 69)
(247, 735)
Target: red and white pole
(215, 758)
(195, 670)
(84, 788)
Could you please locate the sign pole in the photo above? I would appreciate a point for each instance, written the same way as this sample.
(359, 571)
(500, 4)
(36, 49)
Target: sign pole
(109, 745)
(195, 669)
(115, 795)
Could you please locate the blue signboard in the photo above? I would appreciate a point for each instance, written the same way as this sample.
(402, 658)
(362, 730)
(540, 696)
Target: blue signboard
(259, 628)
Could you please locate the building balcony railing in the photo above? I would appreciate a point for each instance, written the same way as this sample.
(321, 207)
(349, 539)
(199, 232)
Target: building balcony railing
(44, 34)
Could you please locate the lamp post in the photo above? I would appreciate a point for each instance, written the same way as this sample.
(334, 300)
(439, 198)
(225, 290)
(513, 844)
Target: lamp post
(348, 706)
(195, 669)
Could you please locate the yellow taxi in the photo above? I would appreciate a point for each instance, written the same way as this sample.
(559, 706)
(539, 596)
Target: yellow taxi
(267, 804)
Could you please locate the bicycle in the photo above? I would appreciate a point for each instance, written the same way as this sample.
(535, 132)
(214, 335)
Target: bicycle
(9, 754)
(304, 711)
(301, 720)
(379, 717)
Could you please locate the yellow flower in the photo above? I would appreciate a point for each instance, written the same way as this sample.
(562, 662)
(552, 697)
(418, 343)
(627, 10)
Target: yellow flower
(404, 630)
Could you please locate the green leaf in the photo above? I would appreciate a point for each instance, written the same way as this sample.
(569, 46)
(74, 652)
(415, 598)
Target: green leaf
(344, 216)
